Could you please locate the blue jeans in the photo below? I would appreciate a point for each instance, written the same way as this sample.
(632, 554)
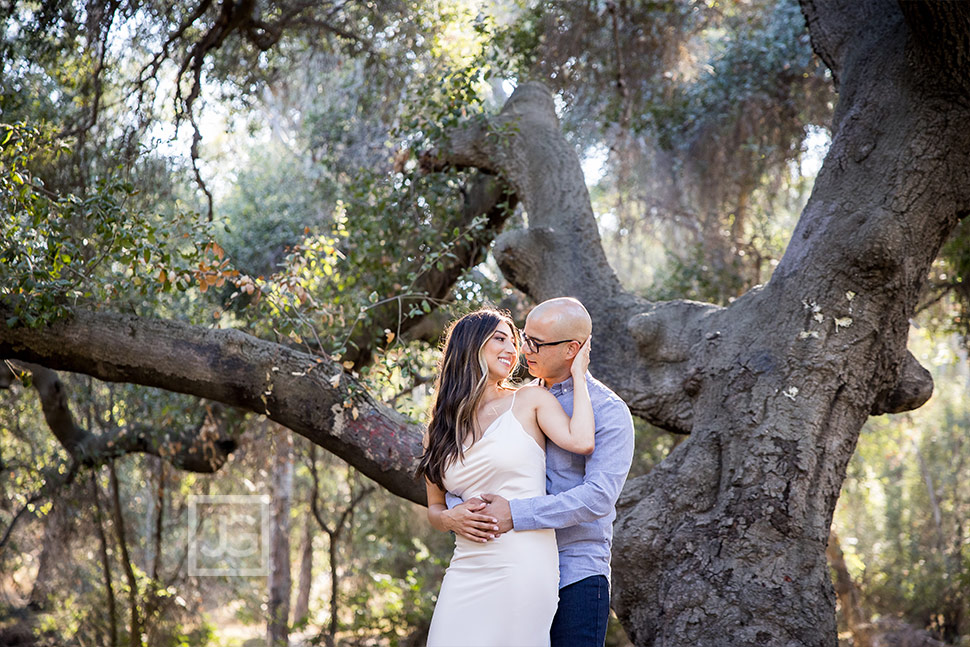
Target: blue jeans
(584, 610)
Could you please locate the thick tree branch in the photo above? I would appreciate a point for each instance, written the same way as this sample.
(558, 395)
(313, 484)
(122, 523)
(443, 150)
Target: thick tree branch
(914, 388)
(203, 448)
(486, 196)
(311, 395)
(57, 412)
(560, 251)
(656, 352)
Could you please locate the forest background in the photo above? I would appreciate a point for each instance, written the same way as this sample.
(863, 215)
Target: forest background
(270, 168)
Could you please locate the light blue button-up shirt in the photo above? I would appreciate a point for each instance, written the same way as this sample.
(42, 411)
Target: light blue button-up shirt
(582, 490)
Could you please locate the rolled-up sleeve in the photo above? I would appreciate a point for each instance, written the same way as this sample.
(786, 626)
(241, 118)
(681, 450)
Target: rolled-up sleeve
(451, 500)
(606, 471)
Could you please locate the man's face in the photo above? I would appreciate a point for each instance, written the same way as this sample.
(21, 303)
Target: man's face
(547, 362)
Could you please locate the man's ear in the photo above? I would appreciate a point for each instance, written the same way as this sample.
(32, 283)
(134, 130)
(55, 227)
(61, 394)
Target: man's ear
(572, 349)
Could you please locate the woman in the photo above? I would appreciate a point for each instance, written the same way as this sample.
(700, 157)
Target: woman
(487, 437)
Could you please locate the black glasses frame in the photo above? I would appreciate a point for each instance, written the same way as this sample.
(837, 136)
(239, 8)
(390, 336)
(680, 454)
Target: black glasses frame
(534, 345)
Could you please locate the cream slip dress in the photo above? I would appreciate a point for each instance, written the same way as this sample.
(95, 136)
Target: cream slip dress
(502, 593)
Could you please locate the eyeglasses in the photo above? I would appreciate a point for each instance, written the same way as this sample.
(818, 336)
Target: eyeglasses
(534, 345)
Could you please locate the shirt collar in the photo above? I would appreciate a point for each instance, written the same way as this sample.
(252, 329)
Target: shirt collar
(562, 387)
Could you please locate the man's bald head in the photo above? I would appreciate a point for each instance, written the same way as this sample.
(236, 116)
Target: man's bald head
(564, 317)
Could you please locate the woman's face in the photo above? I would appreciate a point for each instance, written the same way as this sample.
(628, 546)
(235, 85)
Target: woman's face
(500, 353)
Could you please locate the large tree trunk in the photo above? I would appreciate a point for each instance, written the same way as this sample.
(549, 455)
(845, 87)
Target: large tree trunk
(724, 542)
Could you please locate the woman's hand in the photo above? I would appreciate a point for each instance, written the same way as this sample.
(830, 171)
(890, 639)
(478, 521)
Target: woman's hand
(581, 362)
(465, 520)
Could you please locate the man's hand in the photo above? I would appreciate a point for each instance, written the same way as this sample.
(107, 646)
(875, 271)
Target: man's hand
(467, 520)
(498, 509)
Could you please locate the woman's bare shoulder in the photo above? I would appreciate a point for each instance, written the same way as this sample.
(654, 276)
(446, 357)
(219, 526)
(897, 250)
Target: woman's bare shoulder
(534, 394)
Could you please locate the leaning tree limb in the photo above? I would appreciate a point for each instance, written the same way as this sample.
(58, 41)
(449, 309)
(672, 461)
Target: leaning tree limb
(486, 196)
(309, 394)
(201, 448)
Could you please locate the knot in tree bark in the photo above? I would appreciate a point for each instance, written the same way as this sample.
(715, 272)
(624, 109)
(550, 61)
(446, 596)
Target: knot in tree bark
(914, 388)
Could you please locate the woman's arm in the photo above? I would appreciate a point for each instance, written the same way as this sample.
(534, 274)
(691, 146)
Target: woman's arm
(463, 519)
(575, 434)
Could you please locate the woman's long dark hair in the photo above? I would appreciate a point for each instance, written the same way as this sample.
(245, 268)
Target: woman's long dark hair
(462, 377)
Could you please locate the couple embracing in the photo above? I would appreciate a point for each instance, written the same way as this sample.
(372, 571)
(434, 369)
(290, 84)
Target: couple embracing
(527, 478)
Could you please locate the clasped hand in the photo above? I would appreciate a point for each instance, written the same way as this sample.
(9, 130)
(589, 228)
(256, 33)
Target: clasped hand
(480, 518)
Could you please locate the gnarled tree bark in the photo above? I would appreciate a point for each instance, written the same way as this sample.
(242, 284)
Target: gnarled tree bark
(727, 537)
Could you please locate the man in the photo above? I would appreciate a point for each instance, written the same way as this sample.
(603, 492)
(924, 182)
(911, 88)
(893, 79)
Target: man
(581, 490)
